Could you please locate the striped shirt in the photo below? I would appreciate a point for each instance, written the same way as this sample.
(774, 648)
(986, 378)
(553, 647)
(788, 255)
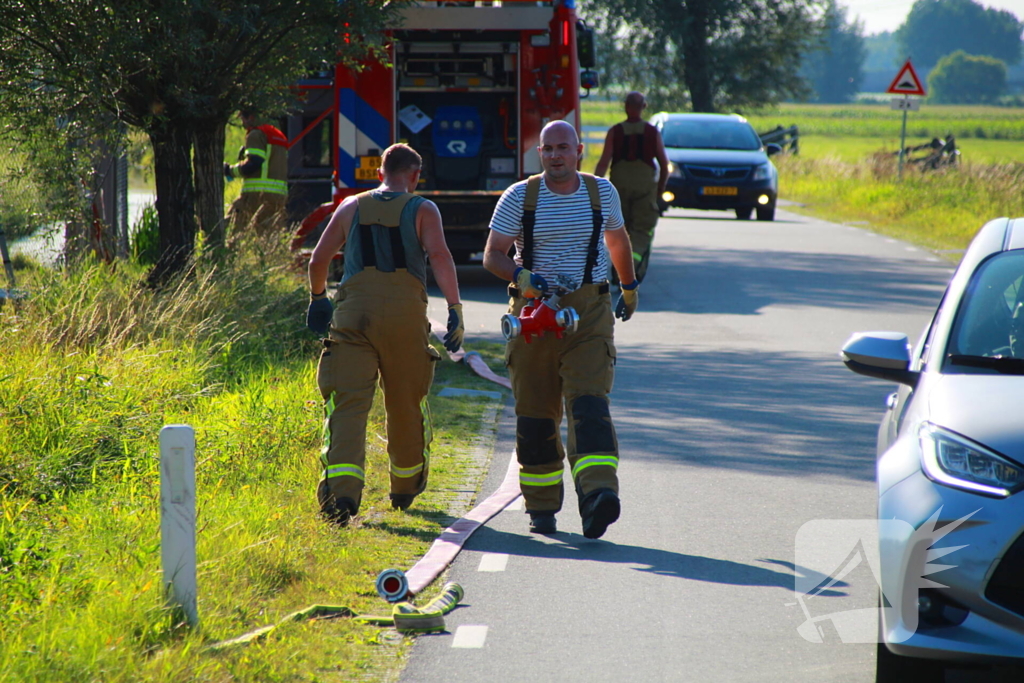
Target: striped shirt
(562, 228)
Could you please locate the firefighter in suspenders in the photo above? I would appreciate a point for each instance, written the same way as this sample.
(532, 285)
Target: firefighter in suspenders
(377, 332)
(631, 148)
(263, 167)
(564, 223)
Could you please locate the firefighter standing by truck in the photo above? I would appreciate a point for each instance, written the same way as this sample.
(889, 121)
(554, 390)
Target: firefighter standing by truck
(263, 167)
(631, 148)
(378, 332)
(564, 223)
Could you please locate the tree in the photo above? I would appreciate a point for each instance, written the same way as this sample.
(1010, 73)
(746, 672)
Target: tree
(835, 71)
(729, 54)
(934, 28)
(961, 78)
(178, 71)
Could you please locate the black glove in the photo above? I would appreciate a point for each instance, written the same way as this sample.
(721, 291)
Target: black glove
(319, 313)
(625, 307)
(227, 171)
(456, 328)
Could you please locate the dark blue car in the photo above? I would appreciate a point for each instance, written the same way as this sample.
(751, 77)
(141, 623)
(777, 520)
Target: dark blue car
(717, 161)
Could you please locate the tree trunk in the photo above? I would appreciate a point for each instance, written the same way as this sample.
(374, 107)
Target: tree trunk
(175, 200)
(696, 62)
(208, 150)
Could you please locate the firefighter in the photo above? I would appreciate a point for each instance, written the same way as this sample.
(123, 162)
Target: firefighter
(377, 332)
(564, 223)
(263, 167)
(631, 148)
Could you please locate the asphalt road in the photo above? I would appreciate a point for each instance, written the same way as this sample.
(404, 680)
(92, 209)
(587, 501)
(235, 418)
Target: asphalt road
(737, 425)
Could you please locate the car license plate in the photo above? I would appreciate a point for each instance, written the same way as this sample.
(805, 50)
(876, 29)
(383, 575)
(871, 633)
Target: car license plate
(717, 190)
(368, 168)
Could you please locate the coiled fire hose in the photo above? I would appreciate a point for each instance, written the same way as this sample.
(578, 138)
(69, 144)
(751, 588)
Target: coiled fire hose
(405, 617)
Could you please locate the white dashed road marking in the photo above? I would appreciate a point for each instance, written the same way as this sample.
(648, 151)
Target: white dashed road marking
(470, 636)
(493, 562)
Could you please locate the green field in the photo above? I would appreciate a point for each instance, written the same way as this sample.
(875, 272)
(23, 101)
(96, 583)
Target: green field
(846, 169)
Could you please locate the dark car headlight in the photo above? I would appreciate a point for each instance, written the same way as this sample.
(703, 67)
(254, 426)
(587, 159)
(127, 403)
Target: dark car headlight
(956, 461)
(762, 172)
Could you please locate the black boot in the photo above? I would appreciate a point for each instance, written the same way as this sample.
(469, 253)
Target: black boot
(543, 523)
(402, 501)
(599, 509)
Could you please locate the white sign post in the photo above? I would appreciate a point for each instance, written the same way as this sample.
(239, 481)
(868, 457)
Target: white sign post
(906, 83)
(178, 518)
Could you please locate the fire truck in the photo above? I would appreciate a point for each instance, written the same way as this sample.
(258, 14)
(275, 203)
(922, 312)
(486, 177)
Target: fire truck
(468, 85)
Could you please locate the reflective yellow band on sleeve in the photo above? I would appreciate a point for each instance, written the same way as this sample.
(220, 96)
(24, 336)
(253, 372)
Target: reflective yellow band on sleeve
(552, 479)
(637, 257)
(256, 152)
(592, 460)
(264, 185)
(406, 472)
(346, 471)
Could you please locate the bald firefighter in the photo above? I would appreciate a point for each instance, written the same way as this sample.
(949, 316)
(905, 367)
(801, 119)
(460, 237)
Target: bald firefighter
(631, 148)
(377, 332)
(564, 223)
(263, 167)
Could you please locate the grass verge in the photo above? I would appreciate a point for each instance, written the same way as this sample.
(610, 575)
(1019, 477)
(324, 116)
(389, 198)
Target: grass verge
(91, 366)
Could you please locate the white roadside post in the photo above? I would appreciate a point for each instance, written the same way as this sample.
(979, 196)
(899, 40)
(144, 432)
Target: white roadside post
(905, 104)
(178, 518)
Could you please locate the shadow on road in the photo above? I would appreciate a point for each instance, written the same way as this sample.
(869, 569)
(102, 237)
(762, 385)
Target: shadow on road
(570, 546)
(781, 414)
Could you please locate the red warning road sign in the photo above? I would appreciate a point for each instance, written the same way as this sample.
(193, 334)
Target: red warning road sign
(906, 82)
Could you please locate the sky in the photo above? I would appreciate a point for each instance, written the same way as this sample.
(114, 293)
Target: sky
(887, 15)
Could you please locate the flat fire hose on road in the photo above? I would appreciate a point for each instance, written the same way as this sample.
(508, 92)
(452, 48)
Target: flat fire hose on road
(398, 587)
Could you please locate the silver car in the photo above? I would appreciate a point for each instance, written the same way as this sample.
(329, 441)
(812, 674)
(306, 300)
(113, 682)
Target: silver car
(951, 469)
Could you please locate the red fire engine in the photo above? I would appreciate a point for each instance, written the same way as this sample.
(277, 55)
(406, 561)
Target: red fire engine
(469, 86)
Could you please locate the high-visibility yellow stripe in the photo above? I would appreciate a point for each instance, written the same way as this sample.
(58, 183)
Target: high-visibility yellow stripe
(406, 472)
(552, 479)
(637, 257)
(256, 152)
(264, 185)
(346, 471)
(592, 460)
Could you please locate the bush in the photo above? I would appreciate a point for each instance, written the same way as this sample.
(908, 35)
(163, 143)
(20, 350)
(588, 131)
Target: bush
(145, 237)
(960, 78)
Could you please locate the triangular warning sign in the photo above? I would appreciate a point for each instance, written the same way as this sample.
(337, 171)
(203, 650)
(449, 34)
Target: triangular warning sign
(906, 82)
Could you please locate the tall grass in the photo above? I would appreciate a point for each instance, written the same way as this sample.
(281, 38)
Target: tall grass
(91, 366)
(939, 209)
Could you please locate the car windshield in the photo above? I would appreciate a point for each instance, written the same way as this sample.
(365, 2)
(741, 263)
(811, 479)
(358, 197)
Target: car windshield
(710, 134)
(988, 331)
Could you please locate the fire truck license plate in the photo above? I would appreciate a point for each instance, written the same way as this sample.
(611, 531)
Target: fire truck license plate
(368, 168)
(728, 191)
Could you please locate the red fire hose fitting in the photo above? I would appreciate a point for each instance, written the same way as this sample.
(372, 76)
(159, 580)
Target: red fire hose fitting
(538, 317)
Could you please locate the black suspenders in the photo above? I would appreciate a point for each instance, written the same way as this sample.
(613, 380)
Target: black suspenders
(530, 220)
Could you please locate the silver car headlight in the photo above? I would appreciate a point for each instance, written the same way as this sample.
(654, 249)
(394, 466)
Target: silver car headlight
(674, 170)
(762, 172)
(956, 461)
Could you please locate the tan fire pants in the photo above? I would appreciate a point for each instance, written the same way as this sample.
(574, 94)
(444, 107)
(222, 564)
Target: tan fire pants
(638, 192)
(576, 371)
(379, 333)
(260, 212)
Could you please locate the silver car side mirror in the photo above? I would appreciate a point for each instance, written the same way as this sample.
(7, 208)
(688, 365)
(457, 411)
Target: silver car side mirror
(882, 355)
